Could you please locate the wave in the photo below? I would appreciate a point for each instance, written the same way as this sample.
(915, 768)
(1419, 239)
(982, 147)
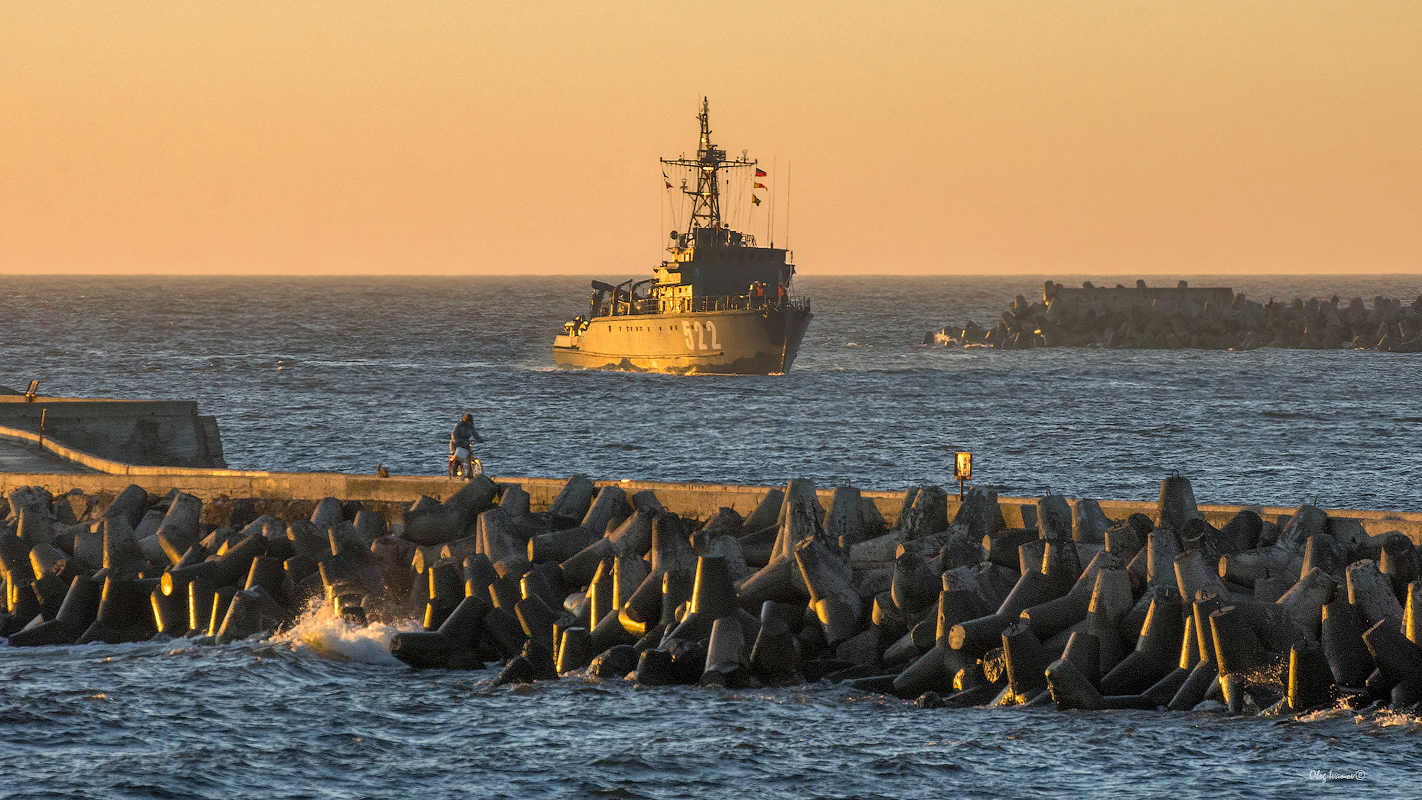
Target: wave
(323, 633)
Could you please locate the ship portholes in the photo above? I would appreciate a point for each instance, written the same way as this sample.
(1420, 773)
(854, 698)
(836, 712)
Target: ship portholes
(695, 335)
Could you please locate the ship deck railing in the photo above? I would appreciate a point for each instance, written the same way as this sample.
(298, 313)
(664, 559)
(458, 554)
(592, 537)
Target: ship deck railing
(691, 305)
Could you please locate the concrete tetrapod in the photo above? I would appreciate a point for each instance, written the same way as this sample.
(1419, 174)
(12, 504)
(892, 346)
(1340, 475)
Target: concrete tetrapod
(1310, 681)
(977, 636)
(1162, 548)
(632, 537)
(1071, 691)
(1412, 614)
(832, 593)
(767, 513)
(1089, 522)
(1054, 518)
(1111, 600)
(81, 606)
(1157, 650)
(170, 613)
(1303, 603)
(1192, 692)
(251, 611)
(447, 521)
(464, 627)
(1054, 616)
(780, 579)
(1323, 552)
(713, 597)
(1163, 691)
(654, 668)
(1176, 505)
(915, 585)
(615, 662)
(575, 651)
(1026, 661)
(561, 545)
(422, 649)
(1084, 650)
(125, 613)
(1371, 592)
(932, 671)
(726, 658)
(1241, 532)
(1237, 648)
(775, 656)
(533, 663)
(1306, 522)
(1193, 574)
(179, 528)
(1247, 566)
(1398, 659)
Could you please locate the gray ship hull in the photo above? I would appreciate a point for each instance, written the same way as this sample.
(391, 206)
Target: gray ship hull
(734, 342)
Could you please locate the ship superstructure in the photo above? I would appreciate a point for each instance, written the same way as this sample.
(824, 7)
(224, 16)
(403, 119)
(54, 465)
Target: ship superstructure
(718, 304)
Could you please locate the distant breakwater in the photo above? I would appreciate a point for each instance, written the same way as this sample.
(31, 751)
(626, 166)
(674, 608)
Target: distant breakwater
(1143, 317)
(1160, 610)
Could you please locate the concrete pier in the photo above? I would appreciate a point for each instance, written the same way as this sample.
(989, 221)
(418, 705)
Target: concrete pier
(138, 432)
(1087, 625)
(1100, 603)
(698, 501)
(22, 457)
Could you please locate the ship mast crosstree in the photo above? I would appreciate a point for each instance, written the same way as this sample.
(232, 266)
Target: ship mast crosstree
(706, 197)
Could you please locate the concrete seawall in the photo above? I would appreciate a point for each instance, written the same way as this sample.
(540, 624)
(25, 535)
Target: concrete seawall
(390, 496)
(138, 432)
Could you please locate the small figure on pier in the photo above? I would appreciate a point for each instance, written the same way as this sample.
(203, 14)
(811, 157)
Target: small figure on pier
(461, 460)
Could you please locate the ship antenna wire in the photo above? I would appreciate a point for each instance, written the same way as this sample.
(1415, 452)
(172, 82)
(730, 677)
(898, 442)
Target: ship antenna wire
(788, 164)
(773, 173)
(770, 199)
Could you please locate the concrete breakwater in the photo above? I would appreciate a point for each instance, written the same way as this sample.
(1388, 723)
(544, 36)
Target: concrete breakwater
(137, 432)
(960, 603)
(1142, 317)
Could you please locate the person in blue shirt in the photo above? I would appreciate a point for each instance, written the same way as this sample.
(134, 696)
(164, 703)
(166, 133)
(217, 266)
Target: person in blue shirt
(460, 456)
(464, 432)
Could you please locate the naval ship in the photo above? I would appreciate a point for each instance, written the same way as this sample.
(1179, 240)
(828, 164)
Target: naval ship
(718, 305)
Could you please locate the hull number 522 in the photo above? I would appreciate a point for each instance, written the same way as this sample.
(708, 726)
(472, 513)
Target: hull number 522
(695, 333)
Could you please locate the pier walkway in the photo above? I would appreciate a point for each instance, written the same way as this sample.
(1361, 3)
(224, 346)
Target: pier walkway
(26, 458)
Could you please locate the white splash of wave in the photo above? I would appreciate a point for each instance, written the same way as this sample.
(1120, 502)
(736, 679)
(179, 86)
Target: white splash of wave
(325, 634)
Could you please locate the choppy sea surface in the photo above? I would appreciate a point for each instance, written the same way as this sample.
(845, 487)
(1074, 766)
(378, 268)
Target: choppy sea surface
(342, 373)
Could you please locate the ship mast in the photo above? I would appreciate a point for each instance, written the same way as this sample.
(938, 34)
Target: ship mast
(706, 197)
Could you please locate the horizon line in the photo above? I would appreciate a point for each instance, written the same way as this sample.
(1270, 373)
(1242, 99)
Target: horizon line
(1137, 273)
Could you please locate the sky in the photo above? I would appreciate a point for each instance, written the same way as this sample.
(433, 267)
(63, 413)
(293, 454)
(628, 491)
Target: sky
(964, 137)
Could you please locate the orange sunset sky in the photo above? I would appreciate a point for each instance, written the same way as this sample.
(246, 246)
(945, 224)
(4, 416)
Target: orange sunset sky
(921, 137)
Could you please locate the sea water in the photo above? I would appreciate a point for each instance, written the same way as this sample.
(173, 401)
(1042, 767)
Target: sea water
(344, 373)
